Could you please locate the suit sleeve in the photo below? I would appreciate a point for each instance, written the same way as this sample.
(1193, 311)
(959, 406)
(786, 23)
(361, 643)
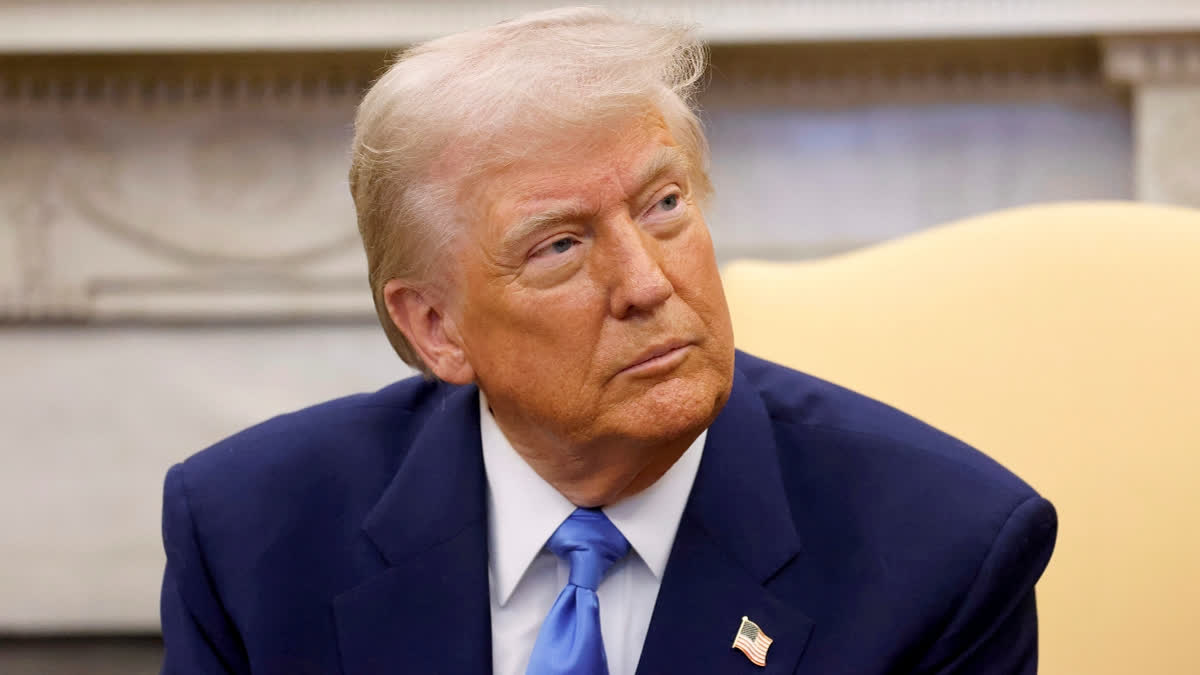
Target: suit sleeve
(198, 635)
(994, 631)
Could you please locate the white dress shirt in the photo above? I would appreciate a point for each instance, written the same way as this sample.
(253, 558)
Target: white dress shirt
(526, 578)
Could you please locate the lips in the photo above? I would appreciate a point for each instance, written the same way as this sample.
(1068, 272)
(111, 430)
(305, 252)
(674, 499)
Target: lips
(661, 349)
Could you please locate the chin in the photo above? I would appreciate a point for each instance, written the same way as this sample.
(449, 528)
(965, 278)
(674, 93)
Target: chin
(676, 407)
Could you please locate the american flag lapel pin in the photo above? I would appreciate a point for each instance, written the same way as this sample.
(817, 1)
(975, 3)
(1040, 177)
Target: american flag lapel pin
(752, 642)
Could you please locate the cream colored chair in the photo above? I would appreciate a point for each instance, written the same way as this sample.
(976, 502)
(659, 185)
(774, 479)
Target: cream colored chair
(1062, 340)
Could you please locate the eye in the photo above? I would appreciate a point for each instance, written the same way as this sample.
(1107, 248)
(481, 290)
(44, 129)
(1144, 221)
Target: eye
(669, 212)
(557, 247)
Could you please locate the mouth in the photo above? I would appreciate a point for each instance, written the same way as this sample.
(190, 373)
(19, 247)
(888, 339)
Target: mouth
(659, 358)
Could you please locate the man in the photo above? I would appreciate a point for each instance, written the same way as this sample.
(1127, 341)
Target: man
(588, 480)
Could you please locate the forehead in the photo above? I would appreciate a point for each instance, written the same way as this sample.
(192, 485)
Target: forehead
(587, 169)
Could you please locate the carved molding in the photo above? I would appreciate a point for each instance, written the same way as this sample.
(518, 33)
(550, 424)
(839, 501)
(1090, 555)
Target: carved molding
(45, 304)
(231, 193)
(1164, 74)
(807, 75)
(1157, 59)
(142, 191)
(212, 186)
(25, 174)
(799, 73)
(225, 25)
(220, 81)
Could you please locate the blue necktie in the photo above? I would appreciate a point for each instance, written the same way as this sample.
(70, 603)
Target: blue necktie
(570, 641)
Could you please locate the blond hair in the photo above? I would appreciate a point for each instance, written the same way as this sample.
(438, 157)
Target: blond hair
(485, 94)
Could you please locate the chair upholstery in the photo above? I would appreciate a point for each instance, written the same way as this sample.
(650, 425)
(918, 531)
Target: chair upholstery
(1063, 340)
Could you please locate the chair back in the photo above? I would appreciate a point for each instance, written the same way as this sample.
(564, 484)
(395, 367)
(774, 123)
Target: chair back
(1064, 341)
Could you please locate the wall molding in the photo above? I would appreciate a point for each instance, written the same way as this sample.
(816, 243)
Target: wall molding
(224, 25)
(1153, 59)
(1163, 72)
(796, 72)
(211, 187)
(905, 71)
(172, 80)
(147, 189)
(1167, 132)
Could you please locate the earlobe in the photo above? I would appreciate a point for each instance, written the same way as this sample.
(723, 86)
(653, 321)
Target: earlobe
(423, 320)
(453, 366)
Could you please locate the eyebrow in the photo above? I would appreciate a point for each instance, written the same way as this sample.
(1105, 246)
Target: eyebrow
(526, 227)
(662, 161)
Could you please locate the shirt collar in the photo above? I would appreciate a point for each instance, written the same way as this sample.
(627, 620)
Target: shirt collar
(524, 510)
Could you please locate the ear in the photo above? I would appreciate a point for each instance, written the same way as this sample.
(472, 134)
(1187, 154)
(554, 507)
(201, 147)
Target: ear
(421, 316)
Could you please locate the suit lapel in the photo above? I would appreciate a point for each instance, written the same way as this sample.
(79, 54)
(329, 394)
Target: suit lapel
(735, 535)
(430, 525)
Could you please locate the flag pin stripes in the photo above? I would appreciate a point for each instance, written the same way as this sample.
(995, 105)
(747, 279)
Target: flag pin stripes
(752, 642)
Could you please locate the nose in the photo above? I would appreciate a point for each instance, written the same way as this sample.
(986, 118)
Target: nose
(638, 283)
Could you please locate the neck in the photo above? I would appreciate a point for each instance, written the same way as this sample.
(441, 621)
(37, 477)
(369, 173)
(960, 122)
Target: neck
(600, 471)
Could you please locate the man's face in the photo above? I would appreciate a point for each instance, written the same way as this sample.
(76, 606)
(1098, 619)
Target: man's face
(590, 305)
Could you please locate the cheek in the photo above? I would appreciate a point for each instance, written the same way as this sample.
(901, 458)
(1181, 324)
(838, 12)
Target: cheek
(534, 335)
(696, 277)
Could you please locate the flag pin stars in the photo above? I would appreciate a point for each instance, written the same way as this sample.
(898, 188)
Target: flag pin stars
(752, 642)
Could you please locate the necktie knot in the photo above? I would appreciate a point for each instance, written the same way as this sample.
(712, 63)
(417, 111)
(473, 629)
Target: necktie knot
(590, 543)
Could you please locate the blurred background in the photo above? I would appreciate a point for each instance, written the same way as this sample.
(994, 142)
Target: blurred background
(178, 255)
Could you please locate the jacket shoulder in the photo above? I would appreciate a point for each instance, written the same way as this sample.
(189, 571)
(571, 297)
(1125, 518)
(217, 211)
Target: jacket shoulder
(326, 463)
(306, 435)
(870, 429)
(884, 501)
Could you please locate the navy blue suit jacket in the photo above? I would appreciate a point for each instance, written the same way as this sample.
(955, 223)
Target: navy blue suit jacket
(351, 538)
